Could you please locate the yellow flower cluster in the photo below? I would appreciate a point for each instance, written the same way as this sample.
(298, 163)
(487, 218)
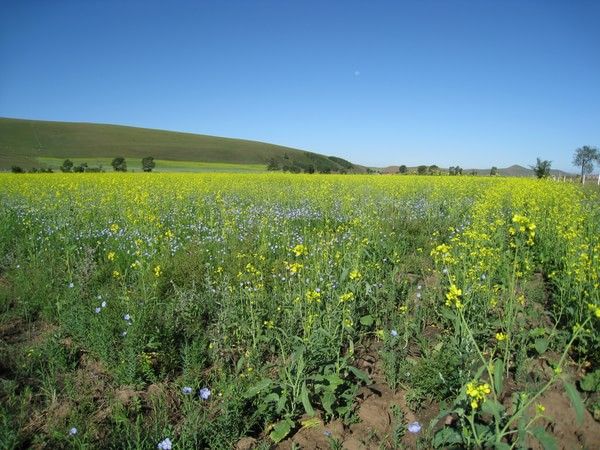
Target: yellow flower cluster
(500, 337)
(595, 309)
(294, 268)
(453, 297)
(477, 393)
(355, 275)
(346, 297)
(523, 225)
(313, 297)
(300, 250)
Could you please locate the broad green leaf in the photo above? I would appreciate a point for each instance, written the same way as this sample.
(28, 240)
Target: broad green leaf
(544, 438)
(448, 313)
(591, 382)
(272, 397)
(361, 375)
(492, 407)
(541, 345)
(485, 432)
(498, 376)
(327, 401)
(240, 364)
(334, 380)
(575, 401)
(446, 437)
(281, 429)
(367, 320)
(262, 385)
(306, 401)
(502, 446)
(281, 402)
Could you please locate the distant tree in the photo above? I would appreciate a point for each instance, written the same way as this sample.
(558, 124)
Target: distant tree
(80, 168)
(585, 157)
(542, 168)
(67, 165)
(422, 170)
(17, 169)
(455, 170)
(309, 169)
(119, 164)
(493, 171)
(148, 164)
(324, 170)
(473, 173)
(433, 169)
(272, 164)
(402, 169)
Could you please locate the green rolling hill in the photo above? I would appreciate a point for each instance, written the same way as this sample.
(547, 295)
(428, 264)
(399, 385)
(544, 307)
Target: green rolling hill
(36, 143)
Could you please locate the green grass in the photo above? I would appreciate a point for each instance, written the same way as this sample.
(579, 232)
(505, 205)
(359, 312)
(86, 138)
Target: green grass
(161, 165)
(23, 142)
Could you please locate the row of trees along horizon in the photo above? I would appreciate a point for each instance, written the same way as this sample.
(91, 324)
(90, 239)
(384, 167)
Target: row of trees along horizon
(583, 158)
(119, 164)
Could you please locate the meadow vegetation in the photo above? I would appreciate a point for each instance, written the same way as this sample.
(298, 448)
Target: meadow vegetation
(215, 310)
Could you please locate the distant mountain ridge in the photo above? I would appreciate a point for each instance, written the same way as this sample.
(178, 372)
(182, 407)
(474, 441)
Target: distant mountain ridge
(515, 170)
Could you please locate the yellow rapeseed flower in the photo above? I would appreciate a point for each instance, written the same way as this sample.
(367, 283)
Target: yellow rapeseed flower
(355, 275)
(501, 337)
(300, 250)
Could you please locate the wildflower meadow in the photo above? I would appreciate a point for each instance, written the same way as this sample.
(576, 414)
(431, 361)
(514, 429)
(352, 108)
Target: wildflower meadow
(184, 311)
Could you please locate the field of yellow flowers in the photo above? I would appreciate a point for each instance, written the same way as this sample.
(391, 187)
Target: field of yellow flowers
(250, 311)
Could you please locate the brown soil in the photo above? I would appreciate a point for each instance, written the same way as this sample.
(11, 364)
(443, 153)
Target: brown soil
(562, 423)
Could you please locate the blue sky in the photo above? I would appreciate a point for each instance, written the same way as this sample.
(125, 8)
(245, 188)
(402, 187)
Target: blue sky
(476, 83)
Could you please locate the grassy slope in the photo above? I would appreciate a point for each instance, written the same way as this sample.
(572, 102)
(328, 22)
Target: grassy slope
(24, 142)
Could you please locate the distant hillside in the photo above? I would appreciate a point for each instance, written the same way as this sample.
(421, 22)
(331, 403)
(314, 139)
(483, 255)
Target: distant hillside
(513, 171)
(35, 143)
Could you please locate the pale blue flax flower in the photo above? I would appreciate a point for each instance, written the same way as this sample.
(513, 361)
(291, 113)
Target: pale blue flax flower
(205, 393)
(414, 427)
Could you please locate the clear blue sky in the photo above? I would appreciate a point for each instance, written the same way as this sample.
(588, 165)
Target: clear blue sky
(476, 83)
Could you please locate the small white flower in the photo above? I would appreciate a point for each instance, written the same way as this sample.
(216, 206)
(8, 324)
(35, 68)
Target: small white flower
(104, 304)
(165, 444)
(71, 285)
(73, 431)
(205, 393)
(127, 317)
(394, 333)
(414, 427)
(98, 309)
